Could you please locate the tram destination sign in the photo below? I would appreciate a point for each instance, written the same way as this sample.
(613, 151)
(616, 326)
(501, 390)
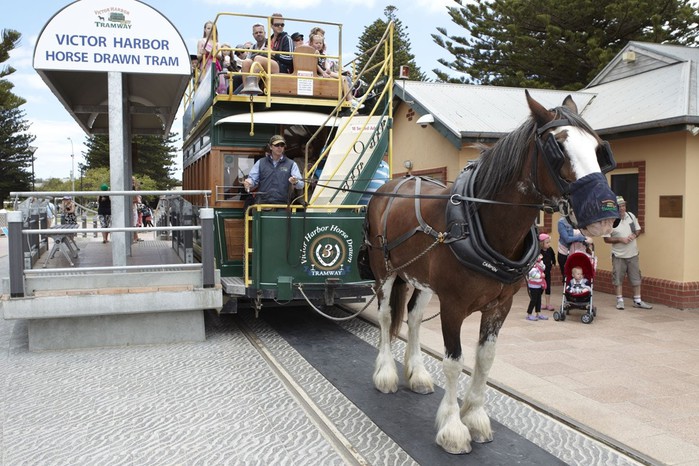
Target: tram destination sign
(111, 35)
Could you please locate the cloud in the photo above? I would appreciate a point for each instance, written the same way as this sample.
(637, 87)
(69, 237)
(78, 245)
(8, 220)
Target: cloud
(53, 154)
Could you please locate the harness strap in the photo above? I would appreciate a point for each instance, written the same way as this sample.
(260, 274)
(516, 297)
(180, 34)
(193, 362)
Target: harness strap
(422, 225)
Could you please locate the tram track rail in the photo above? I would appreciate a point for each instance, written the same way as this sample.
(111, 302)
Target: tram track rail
(342, 446)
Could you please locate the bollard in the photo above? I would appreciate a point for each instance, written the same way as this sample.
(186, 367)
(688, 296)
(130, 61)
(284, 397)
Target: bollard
(84, 225)
(94, 225)
(14, 233)
(207, 246)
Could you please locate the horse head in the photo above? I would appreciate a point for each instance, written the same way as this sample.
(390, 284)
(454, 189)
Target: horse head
(576, 160)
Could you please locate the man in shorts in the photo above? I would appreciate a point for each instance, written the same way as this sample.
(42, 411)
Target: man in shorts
(625, 256)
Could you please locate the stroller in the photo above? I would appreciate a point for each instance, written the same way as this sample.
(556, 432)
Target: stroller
(583, 299)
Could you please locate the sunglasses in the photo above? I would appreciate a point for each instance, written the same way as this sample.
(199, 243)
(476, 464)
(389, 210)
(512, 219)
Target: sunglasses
(278, 25)
(279, 144)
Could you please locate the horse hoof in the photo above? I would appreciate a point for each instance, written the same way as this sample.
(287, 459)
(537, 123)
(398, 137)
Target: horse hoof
(456, 450)
(481, 438)
(422, 389)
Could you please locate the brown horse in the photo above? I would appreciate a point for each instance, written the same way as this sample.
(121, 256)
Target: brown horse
(411, 241)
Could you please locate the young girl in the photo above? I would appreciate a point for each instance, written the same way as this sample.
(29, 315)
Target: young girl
(549, 259)
(536, 284)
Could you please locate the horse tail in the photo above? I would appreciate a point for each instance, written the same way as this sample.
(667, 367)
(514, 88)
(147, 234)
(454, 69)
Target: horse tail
(397, 304)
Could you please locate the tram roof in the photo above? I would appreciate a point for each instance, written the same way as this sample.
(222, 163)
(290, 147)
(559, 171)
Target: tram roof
(89, 40)
(284, 117)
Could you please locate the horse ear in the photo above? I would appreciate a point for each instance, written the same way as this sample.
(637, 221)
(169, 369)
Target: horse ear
(570, 104)
(540, 114)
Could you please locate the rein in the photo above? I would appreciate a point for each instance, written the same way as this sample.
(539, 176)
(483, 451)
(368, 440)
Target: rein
(454, 198)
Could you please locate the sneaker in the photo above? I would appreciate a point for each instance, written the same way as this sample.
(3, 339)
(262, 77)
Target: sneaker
(542, 317)
(620, 305)
(531, 317)
(642, 305)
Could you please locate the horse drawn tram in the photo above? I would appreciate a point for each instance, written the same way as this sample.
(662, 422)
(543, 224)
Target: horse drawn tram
(304, 248)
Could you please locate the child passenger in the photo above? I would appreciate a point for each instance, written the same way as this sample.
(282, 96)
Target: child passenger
(578, 284)
(536, 284)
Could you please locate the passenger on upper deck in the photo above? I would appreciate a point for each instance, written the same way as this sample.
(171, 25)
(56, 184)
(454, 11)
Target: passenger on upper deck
(260, 36)
(297, 37)
(205, 46)
(274, 174)
(280, 41)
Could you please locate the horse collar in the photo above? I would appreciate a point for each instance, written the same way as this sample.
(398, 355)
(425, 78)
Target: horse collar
(471, 247)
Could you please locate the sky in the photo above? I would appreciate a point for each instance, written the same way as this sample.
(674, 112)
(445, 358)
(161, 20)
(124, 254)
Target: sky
(57, 134)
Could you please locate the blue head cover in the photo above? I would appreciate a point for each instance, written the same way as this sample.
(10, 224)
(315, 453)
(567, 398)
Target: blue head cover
(592, 200)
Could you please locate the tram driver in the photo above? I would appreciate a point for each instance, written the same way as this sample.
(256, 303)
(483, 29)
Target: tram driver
(275, 174)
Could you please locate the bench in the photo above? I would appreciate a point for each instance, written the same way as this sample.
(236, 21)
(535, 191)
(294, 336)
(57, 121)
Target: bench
(303, 84)
(62, 238)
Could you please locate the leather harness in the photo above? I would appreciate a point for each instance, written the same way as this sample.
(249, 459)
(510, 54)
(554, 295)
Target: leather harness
(464, 233)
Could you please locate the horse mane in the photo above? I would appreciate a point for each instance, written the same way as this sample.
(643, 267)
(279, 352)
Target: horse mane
(501, 164)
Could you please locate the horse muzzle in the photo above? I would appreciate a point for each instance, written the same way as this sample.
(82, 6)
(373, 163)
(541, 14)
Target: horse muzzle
(594, 205)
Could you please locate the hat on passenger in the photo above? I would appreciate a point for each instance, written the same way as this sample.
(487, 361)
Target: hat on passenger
(543, 237)
(104, 187)
(67, 197)
(276, 139)
(620, 200)
(296, 36)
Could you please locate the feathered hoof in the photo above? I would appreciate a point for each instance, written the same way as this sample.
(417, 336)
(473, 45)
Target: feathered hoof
(420, 381)
(385, 381)
(456, 441)
(479, 427)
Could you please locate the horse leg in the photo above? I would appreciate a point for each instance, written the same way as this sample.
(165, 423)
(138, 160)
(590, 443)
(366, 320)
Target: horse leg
(385, 372)
(473, 412)
(452, 434)
(419, 380)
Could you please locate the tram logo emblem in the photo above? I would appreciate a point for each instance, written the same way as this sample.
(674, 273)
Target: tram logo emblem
(327, 251)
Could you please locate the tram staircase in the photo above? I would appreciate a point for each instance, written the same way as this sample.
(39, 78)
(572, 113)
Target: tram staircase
(348, 172)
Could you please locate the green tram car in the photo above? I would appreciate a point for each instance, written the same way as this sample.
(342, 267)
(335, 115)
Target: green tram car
(306, 249)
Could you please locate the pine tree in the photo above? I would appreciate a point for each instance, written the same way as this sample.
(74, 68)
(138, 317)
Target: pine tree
(153, 158)
(559, 44)
(15, 152)
(401, 46)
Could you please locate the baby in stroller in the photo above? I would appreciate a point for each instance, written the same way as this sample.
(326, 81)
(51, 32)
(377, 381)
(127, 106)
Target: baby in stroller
(578, 286)
(579, 275)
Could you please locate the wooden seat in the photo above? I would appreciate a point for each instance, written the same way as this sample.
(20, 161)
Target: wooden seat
(304, 62)
(306, 66)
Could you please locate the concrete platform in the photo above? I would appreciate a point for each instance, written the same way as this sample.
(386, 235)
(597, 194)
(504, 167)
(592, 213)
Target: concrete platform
(74, 308)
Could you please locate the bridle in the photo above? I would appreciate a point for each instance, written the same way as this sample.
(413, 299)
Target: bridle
(554, 158)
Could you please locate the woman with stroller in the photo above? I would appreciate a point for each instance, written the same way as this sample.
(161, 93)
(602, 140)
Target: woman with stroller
(536, 284)
(549, 259)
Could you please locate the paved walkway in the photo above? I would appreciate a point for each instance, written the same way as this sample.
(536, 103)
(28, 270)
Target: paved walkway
(631, 375)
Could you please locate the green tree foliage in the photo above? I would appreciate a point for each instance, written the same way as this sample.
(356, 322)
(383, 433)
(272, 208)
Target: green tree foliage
(401, 47)
(153, 159)
(15, 153)
(559, 44)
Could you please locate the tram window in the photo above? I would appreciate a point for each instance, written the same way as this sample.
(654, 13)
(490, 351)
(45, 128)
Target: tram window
(235, 169)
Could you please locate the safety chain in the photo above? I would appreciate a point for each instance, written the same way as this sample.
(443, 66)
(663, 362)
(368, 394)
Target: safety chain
(440, 239)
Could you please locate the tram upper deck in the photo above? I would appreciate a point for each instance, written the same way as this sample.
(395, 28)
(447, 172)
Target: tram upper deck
(230, 115)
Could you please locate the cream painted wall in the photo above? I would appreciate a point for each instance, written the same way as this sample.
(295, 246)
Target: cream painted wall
(663, 243)
(425, 147)
(691, 208)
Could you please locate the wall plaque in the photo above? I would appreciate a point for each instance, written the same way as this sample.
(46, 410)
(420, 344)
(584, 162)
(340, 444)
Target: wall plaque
(671, 206)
